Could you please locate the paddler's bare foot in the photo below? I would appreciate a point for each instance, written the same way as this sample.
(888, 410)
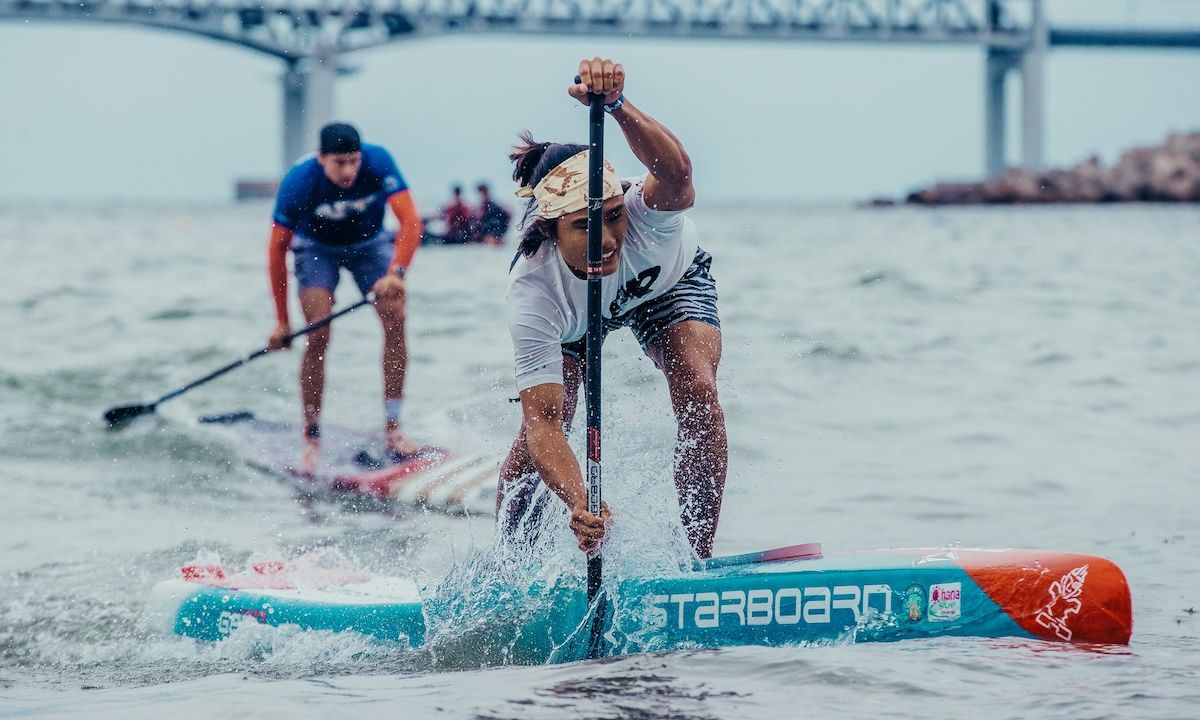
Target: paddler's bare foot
(310, 456)
(398, 444)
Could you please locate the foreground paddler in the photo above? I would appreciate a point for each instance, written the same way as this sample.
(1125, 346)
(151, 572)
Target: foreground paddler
(656, 281)
(329, 213)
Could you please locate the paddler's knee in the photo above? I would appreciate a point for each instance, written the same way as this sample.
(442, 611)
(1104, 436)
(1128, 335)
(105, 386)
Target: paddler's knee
(317, 341)
(391, 311)
(696, 385)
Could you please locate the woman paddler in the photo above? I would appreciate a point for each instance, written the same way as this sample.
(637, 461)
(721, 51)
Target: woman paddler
(656, 281)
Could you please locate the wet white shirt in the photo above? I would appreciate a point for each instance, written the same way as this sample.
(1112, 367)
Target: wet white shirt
(547, 303)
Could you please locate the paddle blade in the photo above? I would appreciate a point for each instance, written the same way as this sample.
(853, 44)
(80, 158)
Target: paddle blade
(232, 418)
(120, 415)
(807, 551)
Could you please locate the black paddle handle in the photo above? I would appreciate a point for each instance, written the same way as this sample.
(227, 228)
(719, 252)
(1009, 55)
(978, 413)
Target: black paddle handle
(595, 337)
(315, 325)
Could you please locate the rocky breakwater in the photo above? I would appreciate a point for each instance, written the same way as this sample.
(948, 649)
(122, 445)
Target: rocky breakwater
(1169, 172)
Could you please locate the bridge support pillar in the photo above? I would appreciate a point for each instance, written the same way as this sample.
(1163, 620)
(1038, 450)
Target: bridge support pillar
(995, 114)
(1030, 62)
(1033, 61)
(307, 105)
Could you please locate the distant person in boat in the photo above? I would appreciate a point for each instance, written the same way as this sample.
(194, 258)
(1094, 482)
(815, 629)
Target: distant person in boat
(493, 218)
(459, 219)
(329, 213)
(658, 284)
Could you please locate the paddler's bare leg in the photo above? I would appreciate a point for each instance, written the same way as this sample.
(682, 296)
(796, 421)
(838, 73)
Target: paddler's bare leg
(688, 354)
(316, 302)
(518, 477)
(395, 362)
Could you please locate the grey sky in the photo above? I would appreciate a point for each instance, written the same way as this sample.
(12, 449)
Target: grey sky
(123, 112)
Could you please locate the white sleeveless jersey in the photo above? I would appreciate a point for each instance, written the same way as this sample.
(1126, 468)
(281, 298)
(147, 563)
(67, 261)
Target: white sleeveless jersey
(547, 303)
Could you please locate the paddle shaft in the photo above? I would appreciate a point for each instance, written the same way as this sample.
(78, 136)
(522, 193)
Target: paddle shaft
(595, 323)
(317, 325)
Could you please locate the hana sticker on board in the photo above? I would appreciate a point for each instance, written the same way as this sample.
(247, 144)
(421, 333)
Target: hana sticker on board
(914, 602)
(945, 602)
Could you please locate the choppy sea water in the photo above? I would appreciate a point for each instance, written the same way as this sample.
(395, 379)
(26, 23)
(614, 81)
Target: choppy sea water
(898, 377)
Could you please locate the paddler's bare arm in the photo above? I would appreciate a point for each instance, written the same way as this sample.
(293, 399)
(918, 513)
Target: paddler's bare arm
(542, 406)
(669, 186)
(277, 249)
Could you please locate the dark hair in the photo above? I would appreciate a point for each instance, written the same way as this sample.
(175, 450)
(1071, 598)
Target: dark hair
(339, 138)
(532, 161)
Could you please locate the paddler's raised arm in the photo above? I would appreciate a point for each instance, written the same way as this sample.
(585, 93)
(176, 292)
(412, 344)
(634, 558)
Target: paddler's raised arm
(542, 407)
(669, 186)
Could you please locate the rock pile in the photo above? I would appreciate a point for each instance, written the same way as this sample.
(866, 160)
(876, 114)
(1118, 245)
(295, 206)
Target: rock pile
(1162, 173)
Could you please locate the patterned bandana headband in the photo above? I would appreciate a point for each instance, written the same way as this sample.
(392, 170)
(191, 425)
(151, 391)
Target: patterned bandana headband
(564, 189)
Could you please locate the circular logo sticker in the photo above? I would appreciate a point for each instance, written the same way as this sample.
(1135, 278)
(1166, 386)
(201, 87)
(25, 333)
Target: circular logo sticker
(914, 602)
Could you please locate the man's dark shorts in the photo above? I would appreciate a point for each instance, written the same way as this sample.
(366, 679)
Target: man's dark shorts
(694, 297)
(317, 264)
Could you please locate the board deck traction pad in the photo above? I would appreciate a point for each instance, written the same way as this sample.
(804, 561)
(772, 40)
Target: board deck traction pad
(793, 595)
(433, 478)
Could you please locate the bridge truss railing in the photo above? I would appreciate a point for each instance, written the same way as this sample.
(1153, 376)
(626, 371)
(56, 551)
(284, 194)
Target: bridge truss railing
(324, 27)
(310, 35)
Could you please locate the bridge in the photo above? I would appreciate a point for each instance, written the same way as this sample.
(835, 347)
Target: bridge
(310, 36)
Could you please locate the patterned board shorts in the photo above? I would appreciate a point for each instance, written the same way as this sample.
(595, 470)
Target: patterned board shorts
(694, 297)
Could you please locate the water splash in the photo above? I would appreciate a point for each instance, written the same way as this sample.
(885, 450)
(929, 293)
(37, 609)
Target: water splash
(521, 599)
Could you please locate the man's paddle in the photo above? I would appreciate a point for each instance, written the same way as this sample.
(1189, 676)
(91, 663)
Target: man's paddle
(117, 416)
(595, 336)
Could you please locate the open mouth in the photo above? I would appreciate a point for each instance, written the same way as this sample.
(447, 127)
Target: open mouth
(608, 255)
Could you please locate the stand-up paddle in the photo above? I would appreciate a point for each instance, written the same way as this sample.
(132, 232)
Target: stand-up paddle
(118, 416)
(595, 336)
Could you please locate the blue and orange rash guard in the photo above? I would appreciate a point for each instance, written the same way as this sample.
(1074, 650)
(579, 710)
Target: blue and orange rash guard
(311, 205)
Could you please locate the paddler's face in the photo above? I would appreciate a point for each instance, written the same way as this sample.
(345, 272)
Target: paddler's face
(341, 168)
(572, 236)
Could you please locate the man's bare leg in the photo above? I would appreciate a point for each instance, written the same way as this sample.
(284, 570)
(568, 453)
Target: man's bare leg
(688, 354)
(316, 303)
(395, 364)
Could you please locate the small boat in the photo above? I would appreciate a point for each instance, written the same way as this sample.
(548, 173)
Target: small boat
(788, 596)
(354, 465)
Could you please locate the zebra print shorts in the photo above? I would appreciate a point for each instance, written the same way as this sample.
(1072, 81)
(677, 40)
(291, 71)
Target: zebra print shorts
(694, 297)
